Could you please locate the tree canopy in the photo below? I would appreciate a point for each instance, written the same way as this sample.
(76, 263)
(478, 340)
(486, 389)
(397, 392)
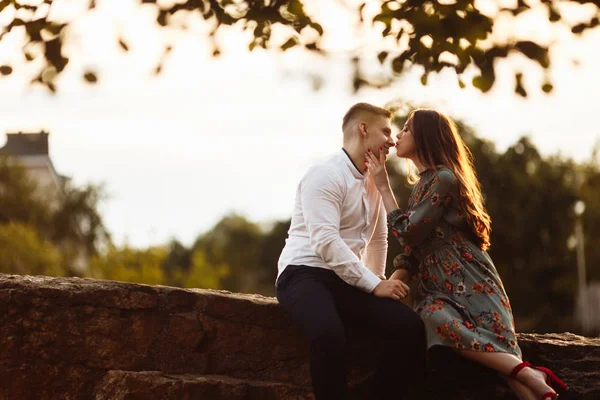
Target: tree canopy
(460, 35)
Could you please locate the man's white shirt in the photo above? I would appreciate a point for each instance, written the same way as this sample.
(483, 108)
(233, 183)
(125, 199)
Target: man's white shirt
(338, 223)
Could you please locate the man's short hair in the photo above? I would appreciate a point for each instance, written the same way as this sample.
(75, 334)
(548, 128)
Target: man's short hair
(359, 108)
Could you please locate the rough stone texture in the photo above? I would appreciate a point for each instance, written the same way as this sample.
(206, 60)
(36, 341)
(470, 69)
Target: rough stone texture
(129, 385)
(70, 338)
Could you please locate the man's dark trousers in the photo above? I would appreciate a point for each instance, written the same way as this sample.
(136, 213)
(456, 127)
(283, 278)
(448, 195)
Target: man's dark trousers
(322, 305)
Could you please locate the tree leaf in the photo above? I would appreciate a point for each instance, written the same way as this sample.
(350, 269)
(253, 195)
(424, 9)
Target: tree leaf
(51, 86)
(519, 89)
(387, 30)
(291, 42)
(482, 83)
(123, 45)
(6, 70)
(317, 27)
(162, 18)
(360, 12)
(579, 28)
(553, 14)
(90, 77)
(382, 56)
(398, 62)
(4, 4)
(534, 51)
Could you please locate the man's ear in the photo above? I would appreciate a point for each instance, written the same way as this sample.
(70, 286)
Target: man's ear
(362, 128)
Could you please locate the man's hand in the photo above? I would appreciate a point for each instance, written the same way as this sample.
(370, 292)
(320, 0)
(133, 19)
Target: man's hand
(395, 290)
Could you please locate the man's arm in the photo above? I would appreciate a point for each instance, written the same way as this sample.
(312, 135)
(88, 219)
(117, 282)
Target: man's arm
(322, 195)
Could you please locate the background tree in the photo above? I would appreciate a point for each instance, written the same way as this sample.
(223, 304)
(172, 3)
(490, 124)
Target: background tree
(20, 200)
(23, 251)
(130, 265)
(434, 35)
(236, 242)
(69, 218)
(177, 263)
(272, 244)
(204, 274)
(78, 220)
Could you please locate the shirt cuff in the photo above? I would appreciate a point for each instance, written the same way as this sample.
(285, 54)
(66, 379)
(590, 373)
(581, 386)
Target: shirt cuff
(368, 281)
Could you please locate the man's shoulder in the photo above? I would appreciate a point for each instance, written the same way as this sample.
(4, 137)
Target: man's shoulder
(326, 172)
(328, 167)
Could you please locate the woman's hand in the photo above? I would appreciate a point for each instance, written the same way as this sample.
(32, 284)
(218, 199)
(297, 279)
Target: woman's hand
(401, 274)
(377, 169)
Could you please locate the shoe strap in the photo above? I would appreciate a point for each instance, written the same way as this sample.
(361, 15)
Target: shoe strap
(518, 369)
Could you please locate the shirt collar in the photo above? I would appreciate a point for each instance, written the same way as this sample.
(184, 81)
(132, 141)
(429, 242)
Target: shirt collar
(352, 167)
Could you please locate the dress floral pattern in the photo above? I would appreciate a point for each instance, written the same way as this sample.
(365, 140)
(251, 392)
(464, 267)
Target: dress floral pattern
(460, 296)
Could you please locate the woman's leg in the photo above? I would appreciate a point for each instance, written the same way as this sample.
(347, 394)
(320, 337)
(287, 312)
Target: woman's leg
(504, 364)
(522, 391)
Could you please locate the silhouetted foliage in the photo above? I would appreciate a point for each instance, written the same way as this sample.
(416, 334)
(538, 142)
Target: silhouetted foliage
(431, 34)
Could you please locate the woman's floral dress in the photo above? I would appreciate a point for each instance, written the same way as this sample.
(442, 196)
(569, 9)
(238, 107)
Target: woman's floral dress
(460, 295)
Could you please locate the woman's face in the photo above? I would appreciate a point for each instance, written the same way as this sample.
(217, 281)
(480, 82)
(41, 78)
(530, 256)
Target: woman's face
(405, 145)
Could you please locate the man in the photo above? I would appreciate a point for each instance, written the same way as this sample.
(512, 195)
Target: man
(331, 270)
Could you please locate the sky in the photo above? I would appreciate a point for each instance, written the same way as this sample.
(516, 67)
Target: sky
(211, 136)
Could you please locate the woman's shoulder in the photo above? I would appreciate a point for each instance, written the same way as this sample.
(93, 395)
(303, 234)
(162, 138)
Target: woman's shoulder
(444, 175)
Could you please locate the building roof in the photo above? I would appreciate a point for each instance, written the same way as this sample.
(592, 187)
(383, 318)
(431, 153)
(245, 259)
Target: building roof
(26, 144)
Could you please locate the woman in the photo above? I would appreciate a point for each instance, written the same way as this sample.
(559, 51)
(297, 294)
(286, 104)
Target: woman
(445, 231)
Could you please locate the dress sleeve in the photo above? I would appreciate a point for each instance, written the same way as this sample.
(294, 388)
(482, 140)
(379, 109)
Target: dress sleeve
(413, 226)
(407, 261)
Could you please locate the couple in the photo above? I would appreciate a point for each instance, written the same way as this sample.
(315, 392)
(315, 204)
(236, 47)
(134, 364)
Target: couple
(332, 269)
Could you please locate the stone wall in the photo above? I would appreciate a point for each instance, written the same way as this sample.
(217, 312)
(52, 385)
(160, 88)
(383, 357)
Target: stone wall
(71, 338)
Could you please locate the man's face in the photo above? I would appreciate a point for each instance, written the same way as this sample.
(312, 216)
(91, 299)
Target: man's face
(379, 134)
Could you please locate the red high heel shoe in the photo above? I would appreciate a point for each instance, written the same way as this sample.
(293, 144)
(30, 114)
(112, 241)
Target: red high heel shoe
(551, 380)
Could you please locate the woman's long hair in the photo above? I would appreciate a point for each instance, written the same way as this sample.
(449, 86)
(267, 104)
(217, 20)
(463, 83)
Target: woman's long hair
(438, 142)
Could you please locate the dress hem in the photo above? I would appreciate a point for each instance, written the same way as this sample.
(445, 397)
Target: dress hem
(476, 351)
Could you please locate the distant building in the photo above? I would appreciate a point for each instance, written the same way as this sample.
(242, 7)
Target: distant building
(31, 151)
